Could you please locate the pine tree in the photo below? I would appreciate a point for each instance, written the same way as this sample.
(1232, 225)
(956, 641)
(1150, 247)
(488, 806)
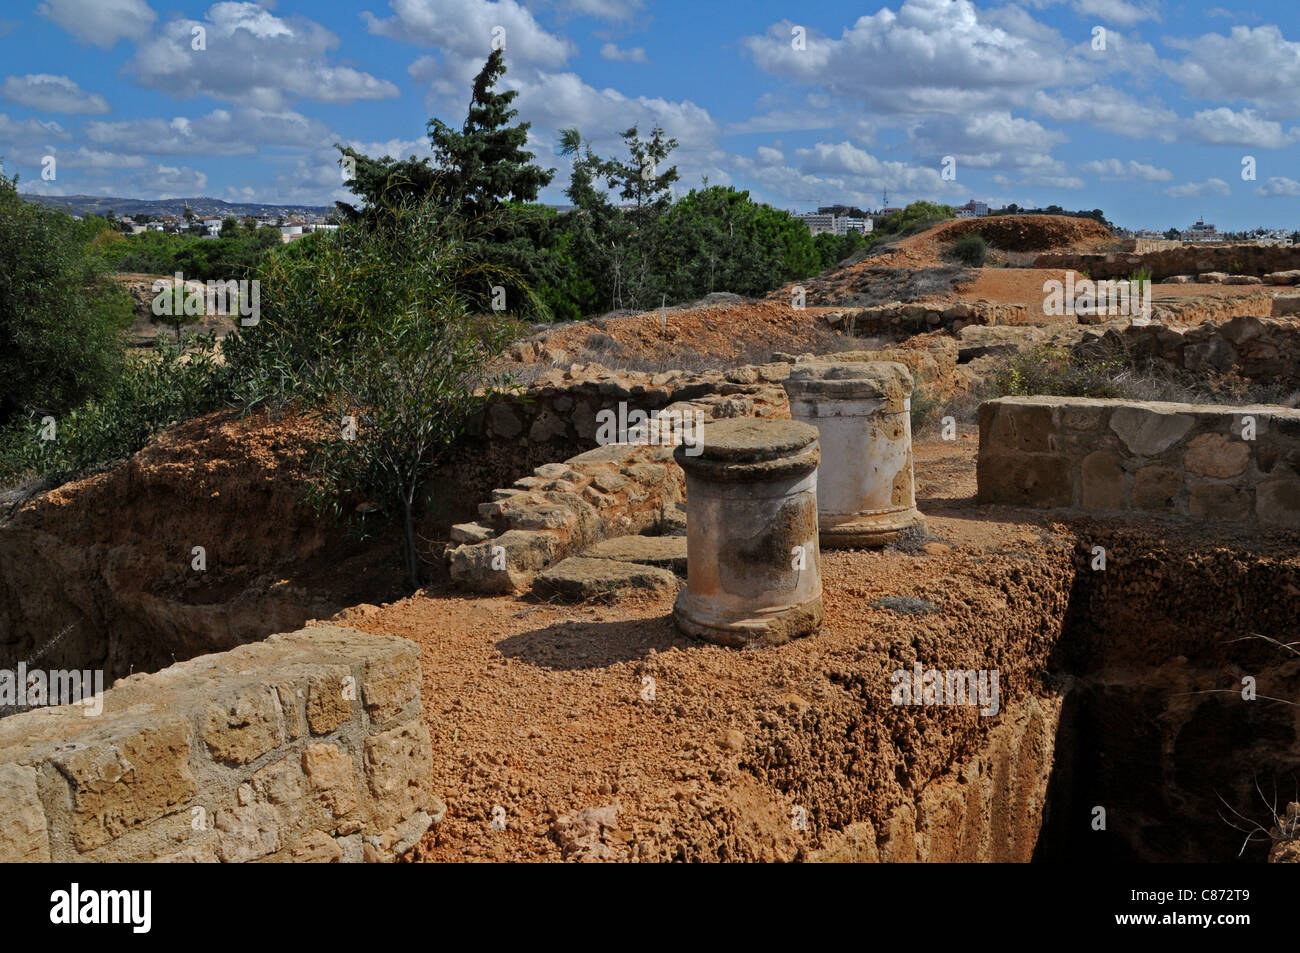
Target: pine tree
(485, 163)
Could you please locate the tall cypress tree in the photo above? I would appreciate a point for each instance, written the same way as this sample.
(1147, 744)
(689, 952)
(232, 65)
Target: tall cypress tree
(474, 169)
(485, 163)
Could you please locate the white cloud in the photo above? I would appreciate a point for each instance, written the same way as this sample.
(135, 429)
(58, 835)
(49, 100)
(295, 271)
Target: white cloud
(31, 131)
(769, 156)
(220, 132)
(100, 22)
(987, 135)
(611, 51)
(55, 94)
(1109, 109)
(1279, 186)
(254, 58)
(1255, 64)
(1118, 170)
(929, 56)
(846, 159)
(466, 26)
(1117, 11)
(605, 9)
(1224, 126)
(1197, 190)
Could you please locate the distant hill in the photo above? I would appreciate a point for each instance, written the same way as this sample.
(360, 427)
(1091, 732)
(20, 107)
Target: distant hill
(201, 206)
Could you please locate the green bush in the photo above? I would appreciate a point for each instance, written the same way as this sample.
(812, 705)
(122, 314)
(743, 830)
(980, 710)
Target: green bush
(61, 318)
(150, 392)
(1055, 371)
(971, 250)
(918, 216)
(369, 323)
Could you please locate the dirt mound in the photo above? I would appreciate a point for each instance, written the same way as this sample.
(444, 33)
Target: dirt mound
(728, 333)
(1025, 232)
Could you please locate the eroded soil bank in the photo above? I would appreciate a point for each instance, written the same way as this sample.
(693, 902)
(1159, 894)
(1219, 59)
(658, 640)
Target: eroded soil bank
(1157, 653)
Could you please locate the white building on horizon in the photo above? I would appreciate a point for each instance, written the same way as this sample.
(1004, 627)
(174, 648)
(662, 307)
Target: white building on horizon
(821, 223)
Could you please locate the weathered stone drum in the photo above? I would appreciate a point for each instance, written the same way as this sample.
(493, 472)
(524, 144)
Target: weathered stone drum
(862, 411)
(752, 563)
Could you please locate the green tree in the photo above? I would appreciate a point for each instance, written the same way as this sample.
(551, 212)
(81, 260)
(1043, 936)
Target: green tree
(368, 323)
(61, 319)
(476, 168)
(485, 163)
(723, 241)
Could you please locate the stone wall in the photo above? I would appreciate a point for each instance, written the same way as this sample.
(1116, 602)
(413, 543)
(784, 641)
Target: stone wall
(559, 407)
(309, 746)
(901, 320)
(616, 489)
(1257, 260)
(1109, 456)
(1266, 350)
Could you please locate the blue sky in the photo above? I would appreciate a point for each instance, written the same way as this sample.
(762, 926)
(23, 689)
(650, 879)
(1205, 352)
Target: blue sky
(1144, 108)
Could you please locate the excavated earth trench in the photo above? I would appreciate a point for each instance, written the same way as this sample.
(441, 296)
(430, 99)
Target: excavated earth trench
(1120, 689)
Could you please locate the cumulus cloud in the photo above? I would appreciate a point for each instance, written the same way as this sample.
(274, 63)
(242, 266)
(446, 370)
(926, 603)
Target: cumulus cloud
(254, 58)
(1109, 109)
(1255, 64)
(1224, 126)
(220, 132)
(1197, 190)
(1117, 170)
(988, 140)
(930, 55)
(1117, 11)
(472, 25)
(611, 51)
(844, 158)
(54, 94)
(1278, 186)
(100, 22)
(605, 9)
(22, 132)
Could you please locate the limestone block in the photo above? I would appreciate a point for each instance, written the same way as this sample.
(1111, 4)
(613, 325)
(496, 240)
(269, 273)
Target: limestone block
(127, 773)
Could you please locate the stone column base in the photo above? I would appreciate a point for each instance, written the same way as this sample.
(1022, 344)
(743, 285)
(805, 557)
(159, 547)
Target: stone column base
(869, 530)
(774, 626)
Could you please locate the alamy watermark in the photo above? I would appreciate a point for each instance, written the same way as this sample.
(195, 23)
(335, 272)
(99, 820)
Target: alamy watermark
(175, 296)
(1088, 297)
(23, 688)
(658, 428)
(952, 687)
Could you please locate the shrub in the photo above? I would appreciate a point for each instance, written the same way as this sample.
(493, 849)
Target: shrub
(151, 392)
(61, 318)
(971, 250)
(1056, 371)
(371, 324)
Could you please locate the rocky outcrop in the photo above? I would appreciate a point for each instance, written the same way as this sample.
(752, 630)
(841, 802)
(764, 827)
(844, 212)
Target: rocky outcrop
(310, 746)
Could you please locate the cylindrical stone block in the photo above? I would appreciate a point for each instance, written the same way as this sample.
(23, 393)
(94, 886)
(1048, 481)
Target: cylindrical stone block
(753, 569)
(863, 413)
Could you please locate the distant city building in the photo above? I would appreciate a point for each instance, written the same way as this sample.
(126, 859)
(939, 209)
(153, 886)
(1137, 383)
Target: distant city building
(1201, 232)
(973, 209)
(819, 223)
(1278, 236)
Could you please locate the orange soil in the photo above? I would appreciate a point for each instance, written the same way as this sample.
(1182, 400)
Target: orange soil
(537, 708)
